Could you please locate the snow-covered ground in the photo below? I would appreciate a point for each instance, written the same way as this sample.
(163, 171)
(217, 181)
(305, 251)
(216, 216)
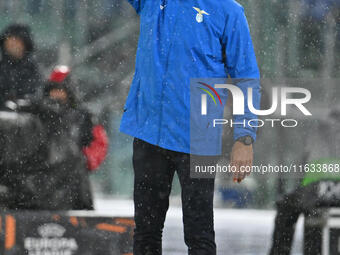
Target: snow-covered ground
(240, 232)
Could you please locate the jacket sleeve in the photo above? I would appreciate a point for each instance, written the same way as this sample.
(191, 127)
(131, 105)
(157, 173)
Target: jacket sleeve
(242, 67)
(137, 5)
(96, 151)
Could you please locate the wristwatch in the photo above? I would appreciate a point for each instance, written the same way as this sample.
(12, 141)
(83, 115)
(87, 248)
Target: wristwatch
(246, 140)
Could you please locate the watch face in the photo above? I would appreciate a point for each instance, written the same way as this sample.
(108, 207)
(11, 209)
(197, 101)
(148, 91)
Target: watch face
(248, 140)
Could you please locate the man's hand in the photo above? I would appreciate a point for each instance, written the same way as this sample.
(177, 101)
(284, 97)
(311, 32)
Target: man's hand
(241, 155)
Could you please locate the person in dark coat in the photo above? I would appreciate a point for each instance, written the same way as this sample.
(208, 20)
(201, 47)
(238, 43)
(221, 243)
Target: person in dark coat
(318, 188)
(19, 73)
(54, 147)
(59, 178)
(69, 130)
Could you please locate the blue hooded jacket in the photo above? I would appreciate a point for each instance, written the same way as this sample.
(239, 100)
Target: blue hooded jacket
(181, 40)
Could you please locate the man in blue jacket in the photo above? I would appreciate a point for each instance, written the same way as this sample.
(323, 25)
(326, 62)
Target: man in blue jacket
(180, 40)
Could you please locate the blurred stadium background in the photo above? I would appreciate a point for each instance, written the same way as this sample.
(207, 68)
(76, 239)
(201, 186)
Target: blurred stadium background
(292, 38)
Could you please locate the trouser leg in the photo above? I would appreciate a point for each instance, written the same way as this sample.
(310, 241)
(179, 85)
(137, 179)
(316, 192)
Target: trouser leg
(152, 188)
(197, 205)
(288, 212)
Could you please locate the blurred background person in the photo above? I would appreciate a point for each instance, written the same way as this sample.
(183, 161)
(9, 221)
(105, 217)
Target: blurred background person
(70, 133)
(314, 191)
(19, 73)
(69, 130)
(58, 177)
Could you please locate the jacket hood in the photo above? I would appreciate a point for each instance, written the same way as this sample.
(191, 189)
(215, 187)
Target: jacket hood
(21, 31)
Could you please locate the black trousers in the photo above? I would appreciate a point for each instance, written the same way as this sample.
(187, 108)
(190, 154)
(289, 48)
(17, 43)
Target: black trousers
(154, 169)
(303, 200)
(288, 212)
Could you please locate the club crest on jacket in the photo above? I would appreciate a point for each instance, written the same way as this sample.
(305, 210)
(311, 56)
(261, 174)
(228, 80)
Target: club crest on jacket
(199, 16)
